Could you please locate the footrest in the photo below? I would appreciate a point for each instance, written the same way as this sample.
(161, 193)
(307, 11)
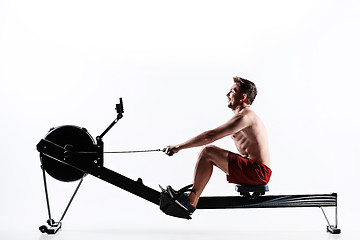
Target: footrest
(256, 190)
(170, 207)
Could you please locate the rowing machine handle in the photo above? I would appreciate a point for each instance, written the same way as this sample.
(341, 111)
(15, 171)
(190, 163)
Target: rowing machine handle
(170, 153)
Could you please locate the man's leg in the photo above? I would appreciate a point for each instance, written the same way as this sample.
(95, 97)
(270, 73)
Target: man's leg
(208, 157)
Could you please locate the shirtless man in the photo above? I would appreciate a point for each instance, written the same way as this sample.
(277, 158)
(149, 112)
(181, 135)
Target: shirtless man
(250, 167)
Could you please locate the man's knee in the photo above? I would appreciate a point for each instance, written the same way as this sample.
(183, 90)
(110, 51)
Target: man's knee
(216, 156)
(209, 151)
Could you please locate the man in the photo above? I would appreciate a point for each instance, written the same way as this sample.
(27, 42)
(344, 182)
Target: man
(250, 167)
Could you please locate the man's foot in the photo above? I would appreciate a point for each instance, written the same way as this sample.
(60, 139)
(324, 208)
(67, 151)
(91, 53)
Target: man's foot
(181, 198)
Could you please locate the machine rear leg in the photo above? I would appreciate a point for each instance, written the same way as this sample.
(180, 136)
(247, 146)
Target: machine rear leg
(333, 229)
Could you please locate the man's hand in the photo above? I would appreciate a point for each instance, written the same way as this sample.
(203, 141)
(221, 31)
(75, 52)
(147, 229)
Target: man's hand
(171, 150)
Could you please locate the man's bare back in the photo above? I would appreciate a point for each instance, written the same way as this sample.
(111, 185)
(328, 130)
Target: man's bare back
(251, 141)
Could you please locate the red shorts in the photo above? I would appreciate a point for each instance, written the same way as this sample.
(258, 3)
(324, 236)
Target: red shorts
(244, 171)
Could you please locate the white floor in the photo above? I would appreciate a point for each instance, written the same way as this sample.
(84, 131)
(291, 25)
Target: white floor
(158, 234)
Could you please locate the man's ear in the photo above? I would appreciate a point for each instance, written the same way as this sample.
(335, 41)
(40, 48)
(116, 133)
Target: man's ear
(244, 98)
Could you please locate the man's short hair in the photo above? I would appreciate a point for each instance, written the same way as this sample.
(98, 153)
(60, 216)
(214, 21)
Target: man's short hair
(247, 87)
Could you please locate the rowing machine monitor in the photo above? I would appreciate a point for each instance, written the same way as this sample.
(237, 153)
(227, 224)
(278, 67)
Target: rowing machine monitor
(120, 107)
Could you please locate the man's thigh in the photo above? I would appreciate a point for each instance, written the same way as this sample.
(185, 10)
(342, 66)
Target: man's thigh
(219, 157)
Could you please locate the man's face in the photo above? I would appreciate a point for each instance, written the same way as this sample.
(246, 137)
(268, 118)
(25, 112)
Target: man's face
(234, 96)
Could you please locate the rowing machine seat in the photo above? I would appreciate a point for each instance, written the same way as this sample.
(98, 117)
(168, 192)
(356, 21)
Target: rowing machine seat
(256, 190)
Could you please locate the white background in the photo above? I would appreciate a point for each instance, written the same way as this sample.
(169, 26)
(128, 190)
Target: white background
(68, 62)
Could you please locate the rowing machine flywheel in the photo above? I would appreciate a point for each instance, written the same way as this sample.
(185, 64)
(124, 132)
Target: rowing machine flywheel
(79, 139)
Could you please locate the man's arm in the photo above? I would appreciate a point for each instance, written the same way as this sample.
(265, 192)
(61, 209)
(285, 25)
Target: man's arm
(232, 126)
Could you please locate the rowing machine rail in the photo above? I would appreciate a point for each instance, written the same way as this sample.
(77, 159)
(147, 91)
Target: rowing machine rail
(68, 153)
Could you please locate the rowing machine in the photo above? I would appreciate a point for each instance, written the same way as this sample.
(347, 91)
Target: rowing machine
(68, 153)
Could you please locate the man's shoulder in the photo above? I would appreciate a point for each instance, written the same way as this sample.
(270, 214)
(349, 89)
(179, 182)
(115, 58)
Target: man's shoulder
(248, 117)
(245, 114)
(243, 119)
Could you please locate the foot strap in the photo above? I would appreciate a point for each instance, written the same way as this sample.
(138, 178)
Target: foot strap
(185, 189)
